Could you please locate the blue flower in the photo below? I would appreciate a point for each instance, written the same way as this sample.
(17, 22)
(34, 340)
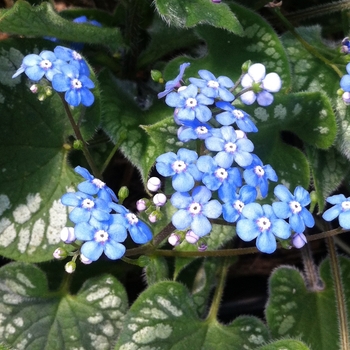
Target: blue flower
(235, 115)
(235, 202)
(257, 79)
(230, 148)
(181, 167)
(194, 130)
(75, 86)
(101, 237)
(94, 186)
(140, 233)
(212, 87)
(74, 58)
(299, 240)
(257, 175)
(83, 19)
(172, 84)
(226, 180)
(189, 104)
(341, 208)
(36, 66)
(261, 223)
(293, 207)
(195, 210)
(85, 207)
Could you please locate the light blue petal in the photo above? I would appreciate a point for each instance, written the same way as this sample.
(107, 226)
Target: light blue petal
(224, 159)
(140, 233)
(84, 232)
(181, 219)
(114, 250)
(78, 215)
(296, 223)
(336, 199)
(181, 200)
(344, 220)
(253, 211)
(72, 97)
(307, 217)
(266, 242)
(264, 98)
(225, 118)
(201, 194)
(60, 83)
(283, 194)
(34, 73)
(92, 250)
(332, 213)
(281, 229)
(200, 225)
(282, 210)
(212, 209)
(183, 182)
(70, 199)
(229, 213)
(87, 97)
(247, 230)
(302, 196)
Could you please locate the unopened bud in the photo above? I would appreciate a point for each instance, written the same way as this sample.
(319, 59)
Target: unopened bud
(346, 97)
(155, 216)
(70, 266)
(153, 184)
(159, 199)
(299, 240)
(48, 90)
(141, 205)
(78, 145)
(156, 76)
(174, 239)
(85, 260)
(202, 247)
(246, 65)
(123, 193)
(67, 235)
(191, 237)
(240, 134)
(60, 254)
(34, 88)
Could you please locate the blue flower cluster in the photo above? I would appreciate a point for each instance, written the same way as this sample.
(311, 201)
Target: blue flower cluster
(65, 69)
(100, 230)
(345, 85)
(228, 166)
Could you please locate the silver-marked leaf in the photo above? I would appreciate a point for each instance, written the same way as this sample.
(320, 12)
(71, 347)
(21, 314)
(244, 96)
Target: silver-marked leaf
(297, 312)
(42, 20)
(227, 52)
(33, 318)
(182, 13)
(33, 161)
(285, 344)
(164, 317)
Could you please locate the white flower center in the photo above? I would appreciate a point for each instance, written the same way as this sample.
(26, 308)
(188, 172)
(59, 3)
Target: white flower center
(76, 84)
(76, 56)
(98, 183)
(201, 130)
(230, 147)
(213, 84)
(132, 218)
(191, 102)
(45, 64)
(179, 166)
(101, 236)
(295, 207)
(195, 208)
(221, 174)
(238, 114)
(238, 205)
(88, 203)
(263, 223)
(345, 205)
(258, 170)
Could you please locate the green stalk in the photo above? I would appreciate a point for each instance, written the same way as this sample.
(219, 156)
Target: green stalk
(214, 307)
(79, 137)
(344, 343)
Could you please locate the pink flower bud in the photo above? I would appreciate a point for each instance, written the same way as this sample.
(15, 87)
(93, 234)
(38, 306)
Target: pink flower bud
(141, 205)
(191, 237)
(60, 254)
(174, 239)
(34, 88)
(203, 247)
(152, 218)
(153, 184)
(159, 199)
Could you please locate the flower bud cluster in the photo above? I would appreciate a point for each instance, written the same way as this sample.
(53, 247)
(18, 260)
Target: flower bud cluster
(228, 170)
(101, 225)
(65, 69)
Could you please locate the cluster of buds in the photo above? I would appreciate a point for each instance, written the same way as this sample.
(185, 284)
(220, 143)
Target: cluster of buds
(189, 236)
(153, 207)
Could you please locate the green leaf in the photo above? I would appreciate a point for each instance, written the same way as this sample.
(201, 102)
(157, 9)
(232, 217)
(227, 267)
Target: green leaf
(33, 156)
(33, 318)
(328, 169)
(42, 20)
(287, 113)
(285, 344)
(182, 13)
(297, 312)
(156, 269)
(164, 317)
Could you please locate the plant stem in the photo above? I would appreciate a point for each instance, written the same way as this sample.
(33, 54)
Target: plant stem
(339, 296)
(306, 45)
(115, 149)
(313, 281)
(214, 307)
(79, 137)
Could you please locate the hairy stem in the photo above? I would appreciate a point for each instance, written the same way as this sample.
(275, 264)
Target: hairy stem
(313, 281)
(79, 137)
(344, 343)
